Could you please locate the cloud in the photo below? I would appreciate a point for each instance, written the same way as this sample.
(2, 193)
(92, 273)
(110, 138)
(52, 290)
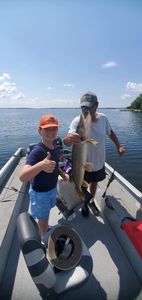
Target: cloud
(8, 89)
(126, 96)
(11, 97)
(70, 85)
(109, 64)
(136, 87)
(61, 102)
(4, 77)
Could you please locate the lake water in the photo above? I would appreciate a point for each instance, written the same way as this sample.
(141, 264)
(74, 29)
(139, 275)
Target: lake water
(18, 128)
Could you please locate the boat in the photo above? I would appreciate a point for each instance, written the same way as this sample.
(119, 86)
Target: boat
(115, 265)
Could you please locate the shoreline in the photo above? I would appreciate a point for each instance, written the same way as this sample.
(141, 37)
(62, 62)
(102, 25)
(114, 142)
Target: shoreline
(131, 109)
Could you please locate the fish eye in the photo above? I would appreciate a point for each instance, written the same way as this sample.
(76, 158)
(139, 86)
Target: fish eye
(85, 108)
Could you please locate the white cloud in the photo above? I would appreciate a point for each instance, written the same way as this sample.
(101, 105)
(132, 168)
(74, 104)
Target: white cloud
(19, 96)
(68, 85)
(126, 96)
(4, 77)
(60, 102)
(109, 64)
(136, 87)
(8, 91)
(11, 97)
(50, 88)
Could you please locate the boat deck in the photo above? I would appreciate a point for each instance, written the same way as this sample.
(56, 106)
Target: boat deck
(113, 277)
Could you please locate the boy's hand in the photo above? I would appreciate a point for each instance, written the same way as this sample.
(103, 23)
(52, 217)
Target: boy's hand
(48, 164)
(65, 176)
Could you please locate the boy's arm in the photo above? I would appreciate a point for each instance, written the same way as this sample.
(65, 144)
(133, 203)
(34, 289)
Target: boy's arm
(28, 171)
(64, 175)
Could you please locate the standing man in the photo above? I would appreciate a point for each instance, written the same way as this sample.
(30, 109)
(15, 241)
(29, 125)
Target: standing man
(100, 128)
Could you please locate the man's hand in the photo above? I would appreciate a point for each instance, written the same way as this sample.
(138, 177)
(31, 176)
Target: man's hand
(121, 150)
(72, 138)
(48, 164)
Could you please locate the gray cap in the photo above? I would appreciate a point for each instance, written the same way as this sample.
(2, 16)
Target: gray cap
(89, 99)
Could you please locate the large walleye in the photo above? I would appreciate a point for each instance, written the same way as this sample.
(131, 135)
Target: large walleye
(79, 154)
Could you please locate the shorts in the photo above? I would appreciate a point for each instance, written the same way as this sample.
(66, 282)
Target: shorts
(95, 176)
(42, 202)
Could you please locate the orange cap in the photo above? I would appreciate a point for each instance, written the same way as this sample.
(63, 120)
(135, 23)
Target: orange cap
(48, 121)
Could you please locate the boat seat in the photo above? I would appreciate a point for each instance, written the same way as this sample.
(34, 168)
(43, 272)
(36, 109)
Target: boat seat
(51, 277)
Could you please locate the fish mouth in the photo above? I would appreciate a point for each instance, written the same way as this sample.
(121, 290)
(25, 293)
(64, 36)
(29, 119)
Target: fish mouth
(85, 111)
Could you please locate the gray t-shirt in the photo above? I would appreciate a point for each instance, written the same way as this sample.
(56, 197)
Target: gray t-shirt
(99, 130)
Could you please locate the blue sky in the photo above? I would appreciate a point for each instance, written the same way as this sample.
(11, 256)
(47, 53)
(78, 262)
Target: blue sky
(53, 51)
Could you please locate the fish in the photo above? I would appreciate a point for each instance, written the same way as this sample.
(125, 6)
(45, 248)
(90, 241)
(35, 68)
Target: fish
(79, 154)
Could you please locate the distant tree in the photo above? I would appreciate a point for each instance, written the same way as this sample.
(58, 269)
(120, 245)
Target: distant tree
(137, 103)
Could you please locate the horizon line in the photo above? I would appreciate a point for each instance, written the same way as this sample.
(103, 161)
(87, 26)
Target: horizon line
(108, 107)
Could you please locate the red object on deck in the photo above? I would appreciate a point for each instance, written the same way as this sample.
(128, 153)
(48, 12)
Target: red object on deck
(134, 232)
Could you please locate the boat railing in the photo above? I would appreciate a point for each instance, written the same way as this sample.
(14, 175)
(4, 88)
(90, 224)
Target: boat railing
(124, 183)
(12, 196)
(9, 166)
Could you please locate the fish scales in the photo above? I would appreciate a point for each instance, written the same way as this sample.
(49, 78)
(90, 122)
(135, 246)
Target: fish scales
(79, 152)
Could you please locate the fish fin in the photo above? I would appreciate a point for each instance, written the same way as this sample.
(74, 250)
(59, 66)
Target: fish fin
(88, 167)
(91, 141)
(80, 193)
(85, 184)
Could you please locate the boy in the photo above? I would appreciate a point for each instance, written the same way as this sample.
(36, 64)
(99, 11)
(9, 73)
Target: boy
(42, 169)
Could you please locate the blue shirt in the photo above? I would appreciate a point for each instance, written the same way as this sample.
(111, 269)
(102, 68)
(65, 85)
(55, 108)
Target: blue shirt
(44, 181)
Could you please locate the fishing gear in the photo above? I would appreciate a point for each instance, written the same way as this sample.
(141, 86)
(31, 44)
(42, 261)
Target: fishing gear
(11, 189)
(108, 184)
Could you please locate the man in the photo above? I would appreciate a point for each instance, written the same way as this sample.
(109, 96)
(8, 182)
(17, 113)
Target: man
(100, 128)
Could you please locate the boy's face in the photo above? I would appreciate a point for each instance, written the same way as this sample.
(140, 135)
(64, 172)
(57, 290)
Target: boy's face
(48, 134)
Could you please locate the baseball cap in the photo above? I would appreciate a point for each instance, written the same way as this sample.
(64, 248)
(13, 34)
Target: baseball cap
(48, 121)
(89, 99)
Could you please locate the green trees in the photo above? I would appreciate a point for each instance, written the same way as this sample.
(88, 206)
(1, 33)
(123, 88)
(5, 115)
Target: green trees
(137, 103)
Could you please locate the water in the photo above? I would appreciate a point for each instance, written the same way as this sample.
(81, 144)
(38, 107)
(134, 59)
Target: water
(18, 128)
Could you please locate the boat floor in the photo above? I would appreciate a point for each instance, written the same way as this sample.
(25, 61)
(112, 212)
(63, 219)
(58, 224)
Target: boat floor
(113, 277)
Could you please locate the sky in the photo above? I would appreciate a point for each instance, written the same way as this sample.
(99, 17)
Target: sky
(54, 51)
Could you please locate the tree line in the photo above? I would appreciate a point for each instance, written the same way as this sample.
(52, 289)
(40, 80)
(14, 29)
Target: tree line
(137, 103)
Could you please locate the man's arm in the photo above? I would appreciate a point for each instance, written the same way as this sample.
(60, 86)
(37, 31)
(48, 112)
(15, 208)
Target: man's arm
(72, 136)
(114, 138)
